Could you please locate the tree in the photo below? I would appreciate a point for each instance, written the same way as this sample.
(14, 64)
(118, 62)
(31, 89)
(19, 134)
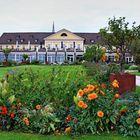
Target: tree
(6, 52)
(135, 50)
(25, 57)
(93, 53)
(120, 35)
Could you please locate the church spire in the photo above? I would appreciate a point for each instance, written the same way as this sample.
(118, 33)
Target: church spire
(53, 28)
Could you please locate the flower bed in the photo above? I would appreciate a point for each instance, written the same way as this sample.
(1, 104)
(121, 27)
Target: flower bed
(65, 105)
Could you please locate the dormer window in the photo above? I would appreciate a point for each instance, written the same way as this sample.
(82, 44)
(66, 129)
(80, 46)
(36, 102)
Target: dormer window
(31, 36)
(64, 34)
(36, 40)
(9, 40)
(92, 41)
(22, 40)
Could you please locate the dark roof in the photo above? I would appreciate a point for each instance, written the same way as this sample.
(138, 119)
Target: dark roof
(38, 37)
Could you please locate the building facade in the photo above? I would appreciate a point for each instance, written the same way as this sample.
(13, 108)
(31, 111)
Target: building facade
(51, 47)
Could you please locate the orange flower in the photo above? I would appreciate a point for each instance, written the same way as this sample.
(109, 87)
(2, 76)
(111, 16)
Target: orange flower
(25, 119)
(67, 130)
(80, 92)
(92, 96)
(102, 92)
(117, 96)
(86, 90)
(27, 123)
(138, 120)
(115, 84)
(81, 104)
(100, 114)
(103, 86)
(84, 106)
(139, 111)
(38, 107)
(90, 87)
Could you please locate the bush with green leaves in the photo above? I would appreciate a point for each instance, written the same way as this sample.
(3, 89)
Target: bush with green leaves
(100, 72)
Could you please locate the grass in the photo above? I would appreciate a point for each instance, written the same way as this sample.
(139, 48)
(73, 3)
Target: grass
(24, 136)
(43, 69)
(135, 73)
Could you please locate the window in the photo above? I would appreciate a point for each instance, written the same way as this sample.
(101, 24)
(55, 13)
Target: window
(9, 40)
(11, 57)
(2, 57)
(22, 40)
(56, 45)
(61, 45)
(78, 46)
(42, 58)
(51, 58)
(36, 40)
(0, 47)
(19, 57)
(60, 58)
(64, 34)
(92, 41)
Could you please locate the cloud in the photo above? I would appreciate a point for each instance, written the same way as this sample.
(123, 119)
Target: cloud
(75, 15)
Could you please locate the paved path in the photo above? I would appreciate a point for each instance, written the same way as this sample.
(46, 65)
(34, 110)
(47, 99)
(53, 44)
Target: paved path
(138, 80)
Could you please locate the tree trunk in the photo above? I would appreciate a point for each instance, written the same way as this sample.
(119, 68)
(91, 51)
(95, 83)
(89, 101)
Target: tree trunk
(122, 60)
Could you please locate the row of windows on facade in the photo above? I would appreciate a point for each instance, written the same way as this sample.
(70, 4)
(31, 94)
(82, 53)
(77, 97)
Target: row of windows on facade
(49, 46)
(37, 41)
(51, 58)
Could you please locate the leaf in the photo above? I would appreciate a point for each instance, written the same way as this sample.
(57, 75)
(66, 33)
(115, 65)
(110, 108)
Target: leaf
(4, 92)
(52, 126)
(75, 100)
(113, 120)
(12, 98)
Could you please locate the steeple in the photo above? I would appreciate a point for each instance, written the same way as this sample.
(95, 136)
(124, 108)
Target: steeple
(53, 28)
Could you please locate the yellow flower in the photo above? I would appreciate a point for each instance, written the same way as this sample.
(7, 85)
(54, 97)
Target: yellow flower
(139, 111)
(115, 84)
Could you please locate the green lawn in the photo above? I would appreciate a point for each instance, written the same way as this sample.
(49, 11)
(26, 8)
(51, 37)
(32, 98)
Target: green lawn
(23, 136)
(43, 69)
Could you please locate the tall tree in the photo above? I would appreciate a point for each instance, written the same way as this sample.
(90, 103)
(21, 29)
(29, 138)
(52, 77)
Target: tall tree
(6, 52)
(120, 35)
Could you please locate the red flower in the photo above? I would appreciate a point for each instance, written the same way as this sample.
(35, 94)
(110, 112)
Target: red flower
(69, 118)
(75, 120)
(4, 109)
(2, 113)
(113, 100)
(12, 115)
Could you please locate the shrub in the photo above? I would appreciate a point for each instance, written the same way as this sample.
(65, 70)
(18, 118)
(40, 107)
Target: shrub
(126, 66)
(133, 67)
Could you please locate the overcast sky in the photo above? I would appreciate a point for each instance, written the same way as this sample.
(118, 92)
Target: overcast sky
(74, 15)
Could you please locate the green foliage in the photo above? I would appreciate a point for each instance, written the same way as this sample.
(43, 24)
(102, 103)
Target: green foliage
(25, 56)
(93, 53)
(126, 66)
(137, 58)
(6, 52)
(119, 34)
(101, 72)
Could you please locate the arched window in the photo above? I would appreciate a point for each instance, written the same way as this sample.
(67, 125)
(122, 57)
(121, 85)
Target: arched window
(63, 34)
